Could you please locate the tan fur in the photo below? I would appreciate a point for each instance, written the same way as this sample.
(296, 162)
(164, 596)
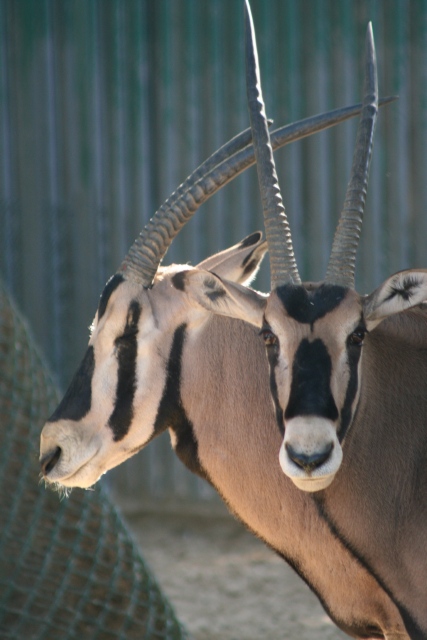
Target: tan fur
(382, 479)
(238, 443)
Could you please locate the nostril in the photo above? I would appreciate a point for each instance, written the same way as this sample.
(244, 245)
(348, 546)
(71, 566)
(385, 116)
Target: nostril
(309, 462)
(50, 460)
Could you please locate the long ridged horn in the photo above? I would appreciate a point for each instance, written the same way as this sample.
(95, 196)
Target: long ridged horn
(283, 266)
(144, 256)
(342, 261)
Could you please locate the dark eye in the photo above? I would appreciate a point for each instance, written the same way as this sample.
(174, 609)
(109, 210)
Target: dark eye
(270, 340)
(356, 338)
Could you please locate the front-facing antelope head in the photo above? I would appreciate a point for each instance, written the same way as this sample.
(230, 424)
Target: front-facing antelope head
(120, 398)
(314, 336)
(314, 333)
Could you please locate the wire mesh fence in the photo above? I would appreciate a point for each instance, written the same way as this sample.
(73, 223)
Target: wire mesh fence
(68, 569)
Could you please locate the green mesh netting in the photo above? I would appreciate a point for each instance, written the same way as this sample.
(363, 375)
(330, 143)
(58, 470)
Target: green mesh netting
(68, 569)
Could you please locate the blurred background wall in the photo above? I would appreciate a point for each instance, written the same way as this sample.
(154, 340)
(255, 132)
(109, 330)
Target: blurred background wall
(107, 105)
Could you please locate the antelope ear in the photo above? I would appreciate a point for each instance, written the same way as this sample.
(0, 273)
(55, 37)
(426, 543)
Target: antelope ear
(225, 298)
(239, 263)
(401, 291)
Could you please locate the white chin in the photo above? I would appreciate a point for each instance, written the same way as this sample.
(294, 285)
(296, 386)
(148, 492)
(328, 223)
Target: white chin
(81, 479)
(313, 484)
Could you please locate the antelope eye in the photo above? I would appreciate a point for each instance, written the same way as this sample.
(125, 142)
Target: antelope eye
(356, 338)
(270, 339)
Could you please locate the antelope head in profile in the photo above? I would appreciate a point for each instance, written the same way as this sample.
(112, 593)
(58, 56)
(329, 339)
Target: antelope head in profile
(314, 332)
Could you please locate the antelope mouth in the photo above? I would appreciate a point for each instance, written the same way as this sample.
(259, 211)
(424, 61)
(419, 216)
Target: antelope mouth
(65, 460)
(310, 454)
(53, 474)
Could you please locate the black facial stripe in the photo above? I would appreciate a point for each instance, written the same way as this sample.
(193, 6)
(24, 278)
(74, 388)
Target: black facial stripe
(273, 360)
(77, 400)
(111, 285)
(308, 306)
(250, 240)
(171, 413)
(178, 280)
(310, 387)
(127, 351)
(406, 290)
(353, 357)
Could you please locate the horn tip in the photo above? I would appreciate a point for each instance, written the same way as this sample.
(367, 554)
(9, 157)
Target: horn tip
(370, 44)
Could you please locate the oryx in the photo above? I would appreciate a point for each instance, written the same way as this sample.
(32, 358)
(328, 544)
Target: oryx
(157, 359)
(345, 368)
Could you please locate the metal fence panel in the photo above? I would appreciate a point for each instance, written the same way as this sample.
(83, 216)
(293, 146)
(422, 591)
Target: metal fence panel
(107, 105)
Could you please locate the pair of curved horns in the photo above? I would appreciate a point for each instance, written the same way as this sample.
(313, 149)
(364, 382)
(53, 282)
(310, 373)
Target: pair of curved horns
(144, 256)
(342, 261)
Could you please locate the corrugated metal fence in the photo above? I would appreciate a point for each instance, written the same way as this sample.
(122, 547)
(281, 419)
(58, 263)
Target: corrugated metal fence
(107, 105)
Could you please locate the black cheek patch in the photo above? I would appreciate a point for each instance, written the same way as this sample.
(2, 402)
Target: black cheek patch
(127, 351)
(111, 286)
(77, 401)
(310, 387)
(171, 413)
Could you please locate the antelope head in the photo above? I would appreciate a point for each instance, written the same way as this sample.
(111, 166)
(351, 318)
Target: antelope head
(313, 332)
(116, 401)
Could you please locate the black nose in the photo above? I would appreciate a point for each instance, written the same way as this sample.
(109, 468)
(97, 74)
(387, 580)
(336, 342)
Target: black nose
(49, 461)
(309, 463)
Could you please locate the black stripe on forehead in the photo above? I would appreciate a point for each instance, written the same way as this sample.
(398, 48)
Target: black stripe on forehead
(78, 399)
(111, 286)
(307, 306)
(310, 387)
(127, 351)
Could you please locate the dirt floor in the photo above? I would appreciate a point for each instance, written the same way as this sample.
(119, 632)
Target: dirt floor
(225, 584)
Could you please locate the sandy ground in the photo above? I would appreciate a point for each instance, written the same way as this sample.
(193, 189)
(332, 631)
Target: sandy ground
(225, 584)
